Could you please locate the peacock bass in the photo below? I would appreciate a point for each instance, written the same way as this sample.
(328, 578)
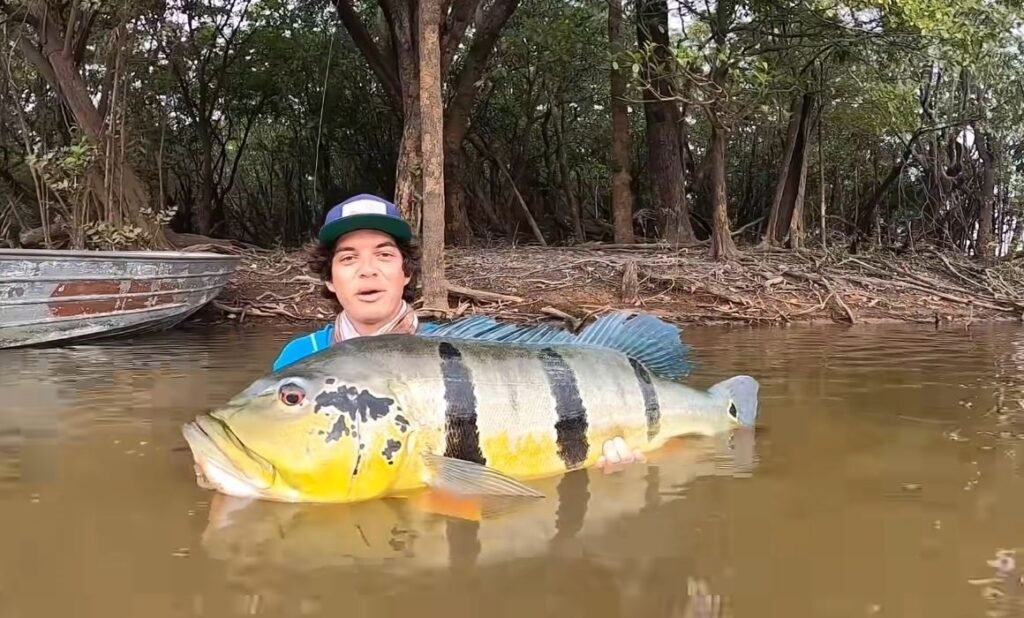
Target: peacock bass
(474, 408)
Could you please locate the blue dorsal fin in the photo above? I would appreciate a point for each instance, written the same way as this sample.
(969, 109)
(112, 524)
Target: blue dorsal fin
(654, 343)
(483, 328)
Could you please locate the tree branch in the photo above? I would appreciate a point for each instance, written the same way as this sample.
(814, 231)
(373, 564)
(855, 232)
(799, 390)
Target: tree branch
(69, 30)
(454, 29)
(361, 37)
(484, 40)
(82, 37)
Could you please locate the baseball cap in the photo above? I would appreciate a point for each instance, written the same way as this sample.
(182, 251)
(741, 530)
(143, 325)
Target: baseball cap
(364, 212)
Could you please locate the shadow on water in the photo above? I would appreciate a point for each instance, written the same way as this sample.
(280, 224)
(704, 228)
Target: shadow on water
(886, 477)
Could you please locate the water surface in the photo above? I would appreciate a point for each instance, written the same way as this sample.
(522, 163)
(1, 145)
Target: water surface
(883, 479)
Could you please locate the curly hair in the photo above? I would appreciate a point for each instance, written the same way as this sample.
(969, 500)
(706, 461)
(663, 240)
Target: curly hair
(320, 259)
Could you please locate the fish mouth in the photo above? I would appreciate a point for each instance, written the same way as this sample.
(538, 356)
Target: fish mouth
(215, 469)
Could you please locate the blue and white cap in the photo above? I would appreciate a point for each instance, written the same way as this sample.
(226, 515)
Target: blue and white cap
(364, 212)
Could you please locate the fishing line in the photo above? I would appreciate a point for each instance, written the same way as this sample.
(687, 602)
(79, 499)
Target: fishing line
(320, 124)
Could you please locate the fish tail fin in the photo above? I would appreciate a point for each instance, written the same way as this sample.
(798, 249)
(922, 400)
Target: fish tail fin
(654, 343)
(741, 392)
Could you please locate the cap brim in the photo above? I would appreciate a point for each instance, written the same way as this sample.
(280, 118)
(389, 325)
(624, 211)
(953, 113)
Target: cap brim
(334, 230)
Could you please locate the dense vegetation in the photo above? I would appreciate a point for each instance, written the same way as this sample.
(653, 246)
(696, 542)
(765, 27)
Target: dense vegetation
(800, 123)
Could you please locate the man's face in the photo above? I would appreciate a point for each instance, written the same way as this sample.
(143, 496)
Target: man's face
(367, 276)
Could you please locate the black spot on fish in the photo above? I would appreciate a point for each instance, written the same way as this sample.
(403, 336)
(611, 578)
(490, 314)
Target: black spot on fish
(652, 409)
(339, 429)
(330, 381)
(348, 400)
(390, 449)
(462, 438)
(359, 458)
(571, 427)
(402, 423)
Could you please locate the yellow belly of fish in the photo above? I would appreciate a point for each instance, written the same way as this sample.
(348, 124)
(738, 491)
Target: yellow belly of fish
(525, 457)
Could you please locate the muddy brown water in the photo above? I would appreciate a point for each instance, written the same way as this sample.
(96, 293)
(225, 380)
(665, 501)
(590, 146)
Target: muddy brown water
(883, 480)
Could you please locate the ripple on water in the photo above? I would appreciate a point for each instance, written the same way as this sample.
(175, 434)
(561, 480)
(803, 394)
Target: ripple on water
(853, 499)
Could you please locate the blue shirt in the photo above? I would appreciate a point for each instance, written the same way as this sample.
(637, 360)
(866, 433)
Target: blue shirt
(304, 345)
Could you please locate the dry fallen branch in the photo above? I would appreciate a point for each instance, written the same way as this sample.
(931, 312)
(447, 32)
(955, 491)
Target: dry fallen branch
(528, 283)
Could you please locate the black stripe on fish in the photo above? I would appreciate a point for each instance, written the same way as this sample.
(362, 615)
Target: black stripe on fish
(571, 427)
(652, 409)
(462, 437)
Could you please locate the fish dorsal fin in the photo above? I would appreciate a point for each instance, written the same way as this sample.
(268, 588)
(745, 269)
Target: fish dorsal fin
(483, 328)
(654, 343)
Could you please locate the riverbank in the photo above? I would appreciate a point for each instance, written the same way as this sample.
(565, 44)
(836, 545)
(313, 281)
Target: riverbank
(683, 286)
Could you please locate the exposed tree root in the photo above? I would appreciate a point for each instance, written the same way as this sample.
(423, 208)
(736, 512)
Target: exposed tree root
(761, 285)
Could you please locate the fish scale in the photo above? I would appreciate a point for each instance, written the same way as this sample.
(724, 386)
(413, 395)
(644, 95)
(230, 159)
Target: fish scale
(475, 407)
(513, 404)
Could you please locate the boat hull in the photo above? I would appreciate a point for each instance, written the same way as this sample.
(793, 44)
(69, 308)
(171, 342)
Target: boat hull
(57, 297)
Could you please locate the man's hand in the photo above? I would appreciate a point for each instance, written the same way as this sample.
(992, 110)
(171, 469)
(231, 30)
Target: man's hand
(616, 454)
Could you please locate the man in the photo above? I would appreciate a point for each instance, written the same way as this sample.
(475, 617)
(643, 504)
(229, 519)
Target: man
(369, 264)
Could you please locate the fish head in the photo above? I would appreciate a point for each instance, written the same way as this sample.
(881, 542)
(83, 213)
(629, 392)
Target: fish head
(303, 436)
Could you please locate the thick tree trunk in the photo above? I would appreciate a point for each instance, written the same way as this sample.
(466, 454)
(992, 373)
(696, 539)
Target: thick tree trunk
(457, 227)
(408, 173)
(772, 235)
(397, 68)
(55, 62)
(408, 169)
(435, 292)
(622, 194)
(662, 116)
(722, 246)
(795, 233)
(785, 221)
(204, 212)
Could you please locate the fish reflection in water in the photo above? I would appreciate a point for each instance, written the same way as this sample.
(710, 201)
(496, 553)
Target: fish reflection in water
(580, 507)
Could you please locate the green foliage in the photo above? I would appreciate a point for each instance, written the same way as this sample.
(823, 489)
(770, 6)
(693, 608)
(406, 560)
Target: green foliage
(297, 119)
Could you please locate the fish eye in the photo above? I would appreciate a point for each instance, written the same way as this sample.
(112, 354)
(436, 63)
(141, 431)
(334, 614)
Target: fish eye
(291, 394)
(733, 412)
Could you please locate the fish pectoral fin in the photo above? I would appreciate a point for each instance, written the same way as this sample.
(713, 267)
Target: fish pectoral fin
(469, 508)
(440, 502)
(469, 478)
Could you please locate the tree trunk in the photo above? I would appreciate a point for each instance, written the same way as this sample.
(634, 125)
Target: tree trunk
(408, 169)
(435, 292)
(457, 227)
(565, 174)
(56, 64)
(396, 67)
(722, 246)
(986, 150)
(662, 116)
(821, 181)
(772, 235)
(622, 195)
(866, 211)
(786, 219)
(204, 212)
